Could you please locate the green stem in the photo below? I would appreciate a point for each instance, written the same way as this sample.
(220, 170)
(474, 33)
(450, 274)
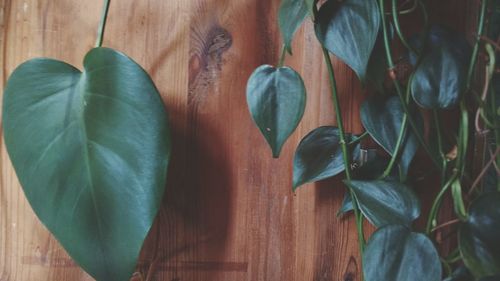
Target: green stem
(439, 133)
(475, 51)
(359, 139)
(399, 91)
(397, 27)
(281, 62)
(431, 221)
(343, 145)
(102, 25)
(399, 144)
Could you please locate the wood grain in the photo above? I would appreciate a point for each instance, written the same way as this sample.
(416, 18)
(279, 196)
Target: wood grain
(229, 212)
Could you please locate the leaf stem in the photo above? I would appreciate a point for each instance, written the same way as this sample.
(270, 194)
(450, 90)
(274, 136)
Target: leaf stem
(431, 221)
(281, 61)
(475, 51)
(343, 145)
(102, 24)
(359, 139)
(397, 27)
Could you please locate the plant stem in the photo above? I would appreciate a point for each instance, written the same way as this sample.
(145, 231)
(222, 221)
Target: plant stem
(475, 51)
(399, 91)
(359, 139)
(397, 27)
(282, 56)
(436, 204)
(102, 24)
(343, 145)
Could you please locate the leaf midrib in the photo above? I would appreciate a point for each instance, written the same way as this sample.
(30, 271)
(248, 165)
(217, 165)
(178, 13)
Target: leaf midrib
(80, 92)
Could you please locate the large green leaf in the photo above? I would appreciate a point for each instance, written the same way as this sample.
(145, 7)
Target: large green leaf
(479, 236)
(440, 78)
(276, 98)
(386, 202)
(291, 15)
(318, 156)
(349, 31)
(383, 120)
(394, 253)
(91, 151)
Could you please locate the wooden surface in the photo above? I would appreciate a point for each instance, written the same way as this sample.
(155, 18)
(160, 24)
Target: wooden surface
(229, 211)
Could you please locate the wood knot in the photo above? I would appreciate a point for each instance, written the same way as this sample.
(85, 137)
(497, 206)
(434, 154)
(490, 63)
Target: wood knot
(208, 46)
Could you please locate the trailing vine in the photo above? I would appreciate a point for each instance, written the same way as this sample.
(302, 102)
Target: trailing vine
(444, 68)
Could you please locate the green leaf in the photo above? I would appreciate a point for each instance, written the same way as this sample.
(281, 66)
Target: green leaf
(394, 253)
(440, 78)
(276, 98)
(382, 119)
(291, 15)
(349, 31)
(318, 156)
(347, 205)
(91, 151)
(478, 236)
(386, 202)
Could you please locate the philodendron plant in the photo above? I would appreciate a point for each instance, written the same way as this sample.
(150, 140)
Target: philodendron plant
(91, 150)
(361, 33)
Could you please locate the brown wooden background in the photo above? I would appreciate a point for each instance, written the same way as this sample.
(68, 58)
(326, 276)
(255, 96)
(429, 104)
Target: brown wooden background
(229, 211)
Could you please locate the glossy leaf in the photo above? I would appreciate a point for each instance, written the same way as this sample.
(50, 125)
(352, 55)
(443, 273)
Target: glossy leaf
(386, 202)
(318, 156)
(440, 78)
(347, 205)
(395, 253)
(383, 119)
(91, 152)
(290, 17)
(276, 98)
(478, 236)
(349, 31)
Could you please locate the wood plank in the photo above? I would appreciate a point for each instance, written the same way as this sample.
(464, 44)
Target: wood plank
(229, 212)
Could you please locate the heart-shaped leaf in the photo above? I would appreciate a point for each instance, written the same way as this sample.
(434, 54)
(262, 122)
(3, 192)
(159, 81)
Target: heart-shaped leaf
(395, 253)
(478, 236)
(349, 31)
(91, 151)
(383, 120)
(440, 78)
(291, 15)
(319, 156)
(386, 202)
(276, 98)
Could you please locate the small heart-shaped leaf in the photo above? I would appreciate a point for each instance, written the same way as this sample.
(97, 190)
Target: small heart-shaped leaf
(291, 15)
(349, 31)
(479, 236)
(394, 253)
(386, 202)
(276, 98)
(383, 120)
(319, 156)
(91, 151)
(440, 78)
